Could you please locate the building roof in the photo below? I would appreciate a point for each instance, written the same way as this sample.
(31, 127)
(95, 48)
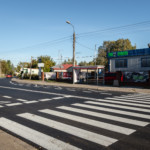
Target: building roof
(90, 67)
(62, 67)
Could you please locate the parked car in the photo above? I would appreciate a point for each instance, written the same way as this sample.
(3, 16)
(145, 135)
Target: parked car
(111, 76)
(8, 76)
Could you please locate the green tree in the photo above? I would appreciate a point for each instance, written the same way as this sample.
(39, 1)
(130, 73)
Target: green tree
(7, 67)
(22, 65)
(48, 62)
(34, 63)
(84, 63)
(112, 46)
(69, 61)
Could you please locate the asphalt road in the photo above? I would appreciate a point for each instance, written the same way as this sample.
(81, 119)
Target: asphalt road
(55, 117)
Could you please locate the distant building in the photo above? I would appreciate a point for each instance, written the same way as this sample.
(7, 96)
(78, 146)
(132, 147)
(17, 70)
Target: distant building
(134, 64)
(63, 71)
(34, 71)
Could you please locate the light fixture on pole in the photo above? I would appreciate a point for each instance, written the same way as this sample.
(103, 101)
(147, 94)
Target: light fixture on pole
(73, 50)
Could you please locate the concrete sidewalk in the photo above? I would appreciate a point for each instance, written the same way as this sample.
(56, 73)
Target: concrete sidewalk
(9, 142)
(100, 87)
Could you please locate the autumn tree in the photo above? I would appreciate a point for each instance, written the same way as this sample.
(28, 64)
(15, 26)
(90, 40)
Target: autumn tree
(112, 46)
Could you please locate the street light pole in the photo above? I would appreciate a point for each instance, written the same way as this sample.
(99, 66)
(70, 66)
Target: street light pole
(0, 69)
(30, 68)
(73, 49)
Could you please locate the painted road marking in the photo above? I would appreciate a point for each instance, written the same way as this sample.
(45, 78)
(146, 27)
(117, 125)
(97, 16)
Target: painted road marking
(44, 100)
(12, 83)
(98, 124)
(48, 93)
(87, 91)
(1, 106)
(90, 136)
(105, 116)
(117, 106)
(71, 90)
(7, 96)
(22, 100)
(57, 97)
(29, 102)
(58, 88)
(127, 100)
(121, 102)
(135, 96)
(106, 93)
(34, 136)
(4, 102)
(140, 115)
(13, 104)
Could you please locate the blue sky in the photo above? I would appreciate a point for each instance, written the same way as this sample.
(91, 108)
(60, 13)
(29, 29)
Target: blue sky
(38, 27)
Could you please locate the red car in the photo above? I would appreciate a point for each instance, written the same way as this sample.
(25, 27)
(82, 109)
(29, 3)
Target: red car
(8, 76)
(111, 76)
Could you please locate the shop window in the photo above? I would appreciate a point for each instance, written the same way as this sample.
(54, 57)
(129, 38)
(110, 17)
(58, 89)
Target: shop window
(121, 63)
(145, 62)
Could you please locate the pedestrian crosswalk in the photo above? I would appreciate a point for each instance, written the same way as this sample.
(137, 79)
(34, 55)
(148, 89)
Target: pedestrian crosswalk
(37, 137)
(100, 122)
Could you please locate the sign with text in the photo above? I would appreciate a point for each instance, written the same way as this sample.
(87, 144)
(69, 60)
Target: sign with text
(40, 64)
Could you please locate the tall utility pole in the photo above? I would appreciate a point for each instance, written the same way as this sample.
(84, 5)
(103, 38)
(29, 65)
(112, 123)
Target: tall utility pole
(31, 68)
(73, 50)
(95, 54)
(0, 69)
(74, 38)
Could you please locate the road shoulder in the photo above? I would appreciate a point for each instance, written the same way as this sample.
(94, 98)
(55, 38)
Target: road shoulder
(9, 142)
(100, 87)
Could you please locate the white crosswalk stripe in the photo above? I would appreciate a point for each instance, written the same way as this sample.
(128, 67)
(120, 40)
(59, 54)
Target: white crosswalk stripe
(117, 106)
(129, 100)
(99, 124)
(7, 97)
(135, 96)
(45, 99)
(14, 104)
(39, 138)
(100, 139)
(126, 103)
(144, 99)
(105, 116)
(105, 127)
(113, 110)
(22, 100)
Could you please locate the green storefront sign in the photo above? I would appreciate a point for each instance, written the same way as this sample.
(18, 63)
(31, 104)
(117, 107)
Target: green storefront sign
(125, 53)
(115, 54)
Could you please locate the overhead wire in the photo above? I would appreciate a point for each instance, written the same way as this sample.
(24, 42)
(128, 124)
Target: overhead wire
(114, 28)
(63, 39)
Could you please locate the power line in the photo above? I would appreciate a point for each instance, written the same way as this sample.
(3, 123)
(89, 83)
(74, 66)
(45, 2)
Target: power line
(85, 46)
(56, 41)
(114, 28)
(49, 43)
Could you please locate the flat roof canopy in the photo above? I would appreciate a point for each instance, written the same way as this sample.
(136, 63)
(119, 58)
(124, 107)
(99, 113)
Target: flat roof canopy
(90, 67)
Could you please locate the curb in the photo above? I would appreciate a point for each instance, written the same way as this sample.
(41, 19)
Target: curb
(106, 88)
